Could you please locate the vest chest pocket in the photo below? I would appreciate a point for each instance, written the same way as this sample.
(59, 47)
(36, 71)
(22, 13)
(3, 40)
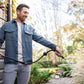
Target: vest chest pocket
(9, 34)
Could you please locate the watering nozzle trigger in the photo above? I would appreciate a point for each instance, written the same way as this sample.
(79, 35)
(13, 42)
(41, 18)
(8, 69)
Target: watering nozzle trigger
(58, 54)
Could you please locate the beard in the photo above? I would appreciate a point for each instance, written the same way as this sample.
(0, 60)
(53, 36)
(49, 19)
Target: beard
(22, 18)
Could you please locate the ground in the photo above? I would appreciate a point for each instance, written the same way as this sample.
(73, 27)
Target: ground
(61, 81)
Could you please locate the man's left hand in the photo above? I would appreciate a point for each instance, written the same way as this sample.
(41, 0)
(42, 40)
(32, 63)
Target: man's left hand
(59, 51)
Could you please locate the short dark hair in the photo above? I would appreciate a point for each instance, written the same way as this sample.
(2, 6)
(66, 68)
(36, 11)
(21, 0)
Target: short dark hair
(20, 6)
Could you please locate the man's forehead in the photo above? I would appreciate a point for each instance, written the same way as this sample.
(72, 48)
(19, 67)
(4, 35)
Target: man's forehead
(24, 8)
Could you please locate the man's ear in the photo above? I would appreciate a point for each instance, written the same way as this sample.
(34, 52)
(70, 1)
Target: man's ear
(18, 11)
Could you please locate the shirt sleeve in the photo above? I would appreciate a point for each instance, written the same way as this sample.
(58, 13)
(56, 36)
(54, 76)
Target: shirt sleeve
(43, 41)
(2, 35)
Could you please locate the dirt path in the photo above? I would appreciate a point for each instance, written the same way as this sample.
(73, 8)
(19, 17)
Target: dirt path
(61, 81)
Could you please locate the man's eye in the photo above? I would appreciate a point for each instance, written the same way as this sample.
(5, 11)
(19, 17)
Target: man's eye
(26, 12)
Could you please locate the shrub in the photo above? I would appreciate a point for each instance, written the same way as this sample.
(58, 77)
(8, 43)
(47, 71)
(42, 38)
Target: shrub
(38, 77)
(46, 64)
(65, 67)
(66, 70)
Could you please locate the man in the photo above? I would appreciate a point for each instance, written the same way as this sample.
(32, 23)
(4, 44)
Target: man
(18, 38)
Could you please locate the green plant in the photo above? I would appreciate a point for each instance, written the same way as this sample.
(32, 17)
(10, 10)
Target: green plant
(65, 67)
(38, 77)
(62, 62)
(66, 70)
(46, 64)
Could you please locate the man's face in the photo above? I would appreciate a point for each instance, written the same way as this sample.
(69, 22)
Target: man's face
(23, 14)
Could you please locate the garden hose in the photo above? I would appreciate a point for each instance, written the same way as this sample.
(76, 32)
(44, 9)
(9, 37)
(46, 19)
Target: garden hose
(44, 54)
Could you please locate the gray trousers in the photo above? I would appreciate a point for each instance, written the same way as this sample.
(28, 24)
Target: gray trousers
(21, 71)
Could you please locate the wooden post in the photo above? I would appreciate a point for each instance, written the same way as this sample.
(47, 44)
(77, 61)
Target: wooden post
(9, 10)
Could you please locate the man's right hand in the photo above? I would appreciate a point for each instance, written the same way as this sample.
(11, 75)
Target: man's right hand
(2, 54)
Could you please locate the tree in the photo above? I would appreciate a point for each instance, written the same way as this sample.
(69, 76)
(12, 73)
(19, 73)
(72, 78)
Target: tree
(76, 7)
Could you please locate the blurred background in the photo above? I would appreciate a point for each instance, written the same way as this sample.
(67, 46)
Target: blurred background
(59, 21)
